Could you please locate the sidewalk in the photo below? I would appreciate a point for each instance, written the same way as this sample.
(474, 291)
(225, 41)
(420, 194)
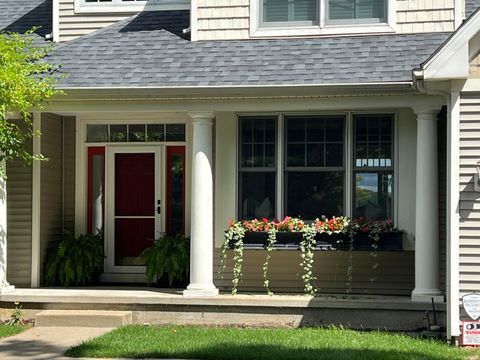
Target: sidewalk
(45, 342)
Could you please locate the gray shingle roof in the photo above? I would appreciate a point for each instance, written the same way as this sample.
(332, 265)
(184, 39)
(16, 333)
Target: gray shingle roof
(150, 50)
(22, 15)
(471, 6)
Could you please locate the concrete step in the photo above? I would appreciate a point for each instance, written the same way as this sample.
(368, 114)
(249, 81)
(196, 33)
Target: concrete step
(83, 318)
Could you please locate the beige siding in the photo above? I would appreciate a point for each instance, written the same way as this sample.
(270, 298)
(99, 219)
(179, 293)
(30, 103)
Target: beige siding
(72, 25)
(414, 16)
(51, 187)
(19, 223)
(230, 19)
(469, 199)
(223, 19)
(393, 276)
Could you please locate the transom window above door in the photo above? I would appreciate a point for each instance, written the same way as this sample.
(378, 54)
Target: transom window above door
(311, 17)
(135, 133)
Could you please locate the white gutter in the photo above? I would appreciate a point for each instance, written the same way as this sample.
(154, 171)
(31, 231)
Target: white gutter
(200, 88)
(459, 13)
(56, 20)
(193, 21)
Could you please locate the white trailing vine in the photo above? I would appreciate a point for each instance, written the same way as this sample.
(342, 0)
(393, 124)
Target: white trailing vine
(234, 237)
(307, 246)
(271, 241)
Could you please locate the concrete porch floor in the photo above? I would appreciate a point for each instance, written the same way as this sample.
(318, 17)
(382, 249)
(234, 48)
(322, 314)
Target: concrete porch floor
(168, 306)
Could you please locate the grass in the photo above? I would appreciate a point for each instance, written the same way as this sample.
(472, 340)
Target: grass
(263, 344)
(9, 330)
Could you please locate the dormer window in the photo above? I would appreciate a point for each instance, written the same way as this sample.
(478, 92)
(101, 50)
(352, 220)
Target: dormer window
(126, 6)
(299, 12)
(319, 17)
(364, 11)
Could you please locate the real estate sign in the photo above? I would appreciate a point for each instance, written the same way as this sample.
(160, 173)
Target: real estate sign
(471, 333)
(471, 304)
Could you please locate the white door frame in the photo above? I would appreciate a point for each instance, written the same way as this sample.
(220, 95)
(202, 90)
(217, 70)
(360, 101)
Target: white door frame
(109, 235)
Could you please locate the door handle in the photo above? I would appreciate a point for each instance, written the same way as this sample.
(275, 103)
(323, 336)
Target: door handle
(159, 207)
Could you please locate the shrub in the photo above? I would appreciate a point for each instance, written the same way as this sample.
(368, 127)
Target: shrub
(168, 256)
(75, 261)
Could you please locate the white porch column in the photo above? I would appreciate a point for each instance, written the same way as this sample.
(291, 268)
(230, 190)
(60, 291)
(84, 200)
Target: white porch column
(427, 277)
(201, 247)
(4, 285)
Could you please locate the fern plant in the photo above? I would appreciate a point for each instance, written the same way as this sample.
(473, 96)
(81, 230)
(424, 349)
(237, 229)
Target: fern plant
(75, 261)
(168, 256)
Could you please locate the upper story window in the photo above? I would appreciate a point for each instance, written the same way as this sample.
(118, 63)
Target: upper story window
(299, 12)
(319, 17)
(362, 11)
(95, 6)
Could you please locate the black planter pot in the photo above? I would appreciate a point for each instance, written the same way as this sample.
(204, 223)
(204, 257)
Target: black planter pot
(286, 240)
(176, 284)
(260, 238)
(391, 241)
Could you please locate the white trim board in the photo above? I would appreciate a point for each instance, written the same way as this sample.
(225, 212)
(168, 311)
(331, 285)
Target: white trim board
(36, 202)
(452, 59)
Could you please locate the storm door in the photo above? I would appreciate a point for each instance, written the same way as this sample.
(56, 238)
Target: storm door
(134, 205)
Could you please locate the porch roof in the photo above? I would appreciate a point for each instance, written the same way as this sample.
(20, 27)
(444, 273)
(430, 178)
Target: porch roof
(149, 50)
(470, 7)
(22, 15)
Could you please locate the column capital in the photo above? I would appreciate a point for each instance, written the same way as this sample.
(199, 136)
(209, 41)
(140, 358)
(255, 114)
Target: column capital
(202, 116)
(426, 112)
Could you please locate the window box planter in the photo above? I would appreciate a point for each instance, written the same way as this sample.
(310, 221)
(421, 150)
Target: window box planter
(286, 240)
(389, 241)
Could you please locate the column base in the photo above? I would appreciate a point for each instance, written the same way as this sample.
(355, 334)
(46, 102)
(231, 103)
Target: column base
(6, 289)
(426, 295)
(196, 290)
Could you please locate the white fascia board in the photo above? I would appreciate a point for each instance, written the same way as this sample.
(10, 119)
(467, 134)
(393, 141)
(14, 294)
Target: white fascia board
(192, 92)
(451, 60)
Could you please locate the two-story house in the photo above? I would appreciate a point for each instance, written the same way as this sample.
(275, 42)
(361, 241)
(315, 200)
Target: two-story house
(180, 115)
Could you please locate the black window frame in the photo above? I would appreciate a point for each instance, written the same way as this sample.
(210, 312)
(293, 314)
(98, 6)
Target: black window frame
(324, 169)
(251, 169)
(373, 169)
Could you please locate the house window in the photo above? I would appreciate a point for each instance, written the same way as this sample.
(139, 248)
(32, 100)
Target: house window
(321, 17)
(312, 169)
(357, 10)
(373, 166)
(136, 133)
(299, 12)
(257, 167)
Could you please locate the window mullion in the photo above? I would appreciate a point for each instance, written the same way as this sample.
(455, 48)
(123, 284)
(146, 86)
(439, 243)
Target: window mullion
(349, 159)
(281, 145)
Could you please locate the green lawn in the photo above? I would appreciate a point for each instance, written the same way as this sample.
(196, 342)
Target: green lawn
(9, 330)
(263, 344)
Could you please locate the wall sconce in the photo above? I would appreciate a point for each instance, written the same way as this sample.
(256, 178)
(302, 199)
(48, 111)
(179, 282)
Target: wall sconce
(476, 178)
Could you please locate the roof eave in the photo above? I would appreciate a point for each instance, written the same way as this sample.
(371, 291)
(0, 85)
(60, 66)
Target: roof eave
(241, 91)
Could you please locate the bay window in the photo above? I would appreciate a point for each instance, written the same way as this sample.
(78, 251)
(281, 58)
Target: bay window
(312, 171)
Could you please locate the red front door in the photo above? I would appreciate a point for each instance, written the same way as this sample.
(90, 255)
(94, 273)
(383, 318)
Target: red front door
(134, 206)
